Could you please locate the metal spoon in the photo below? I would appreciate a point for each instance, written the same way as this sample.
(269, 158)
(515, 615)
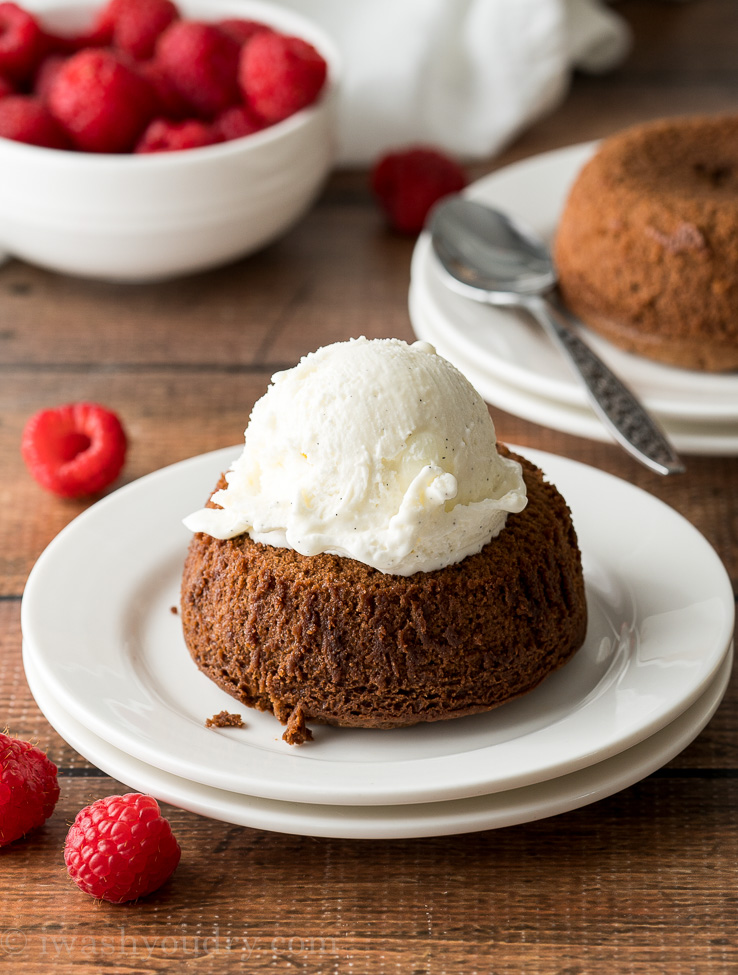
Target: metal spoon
(493, 259)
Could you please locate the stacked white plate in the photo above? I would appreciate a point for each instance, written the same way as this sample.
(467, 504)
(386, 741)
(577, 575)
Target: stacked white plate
(512, 362)
(107, 664)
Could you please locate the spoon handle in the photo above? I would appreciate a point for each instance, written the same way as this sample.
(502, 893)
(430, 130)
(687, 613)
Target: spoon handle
(611, 400)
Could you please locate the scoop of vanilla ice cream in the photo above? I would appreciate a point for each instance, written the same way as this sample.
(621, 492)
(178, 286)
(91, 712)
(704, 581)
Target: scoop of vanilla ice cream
(372, 449)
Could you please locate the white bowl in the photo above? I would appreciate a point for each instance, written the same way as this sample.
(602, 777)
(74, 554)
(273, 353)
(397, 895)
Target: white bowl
(147, 217)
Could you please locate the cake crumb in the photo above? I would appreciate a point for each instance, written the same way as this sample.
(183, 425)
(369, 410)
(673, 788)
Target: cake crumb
(224, 719)
(297, 732)
(173, 610)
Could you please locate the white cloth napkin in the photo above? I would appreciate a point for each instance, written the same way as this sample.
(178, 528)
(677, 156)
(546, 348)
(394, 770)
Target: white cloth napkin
(463, 75)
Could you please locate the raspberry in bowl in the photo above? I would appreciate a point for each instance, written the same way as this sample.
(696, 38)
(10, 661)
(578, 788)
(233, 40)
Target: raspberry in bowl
(155, 158)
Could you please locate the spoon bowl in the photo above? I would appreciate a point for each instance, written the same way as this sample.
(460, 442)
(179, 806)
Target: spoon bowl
(490, 257)
(483, 249)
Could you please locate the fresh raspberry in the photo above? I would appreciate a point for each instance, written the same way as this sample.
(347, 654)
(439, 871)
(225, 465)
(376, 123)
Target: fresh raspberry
(240, 29)
(279, 75)
(103, 25)
(236, 122)
(202, 63)
(80, 42)
(74, 450)
(165, 136)
(24, 118)
(170, 104)
(21, 42)
(138, 24)
(5, 87)
(409, 182)
(28, 788)
(47, 72)
(121, 848)
(101, 32)
(53, 44)
(102, 102)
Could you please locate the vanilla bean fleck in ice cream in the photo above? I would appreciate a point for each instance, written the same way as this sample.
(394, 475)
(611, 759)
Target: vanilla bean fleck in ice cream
(375, 450)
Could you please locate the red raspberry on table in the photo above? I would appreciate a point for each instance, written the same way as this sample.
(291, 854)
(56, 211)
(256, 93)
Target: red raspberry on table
(74, 450)
(201, 61)
(28, 788)
(407, 184)
(139, 23)
(121, 848)
(163, 135)
(236, 122)
(24, 118)
(21, 42)
(279, 74)
(102, 102)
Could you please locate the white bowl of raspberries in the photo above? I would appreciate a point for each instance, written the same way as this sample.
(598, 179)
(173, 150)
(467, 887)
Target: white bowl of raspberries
(147, 139)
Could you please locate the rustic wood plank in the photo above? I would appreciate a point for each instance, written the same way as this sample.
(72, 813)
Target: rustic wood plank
(681, 44)
(625, 885)
(265, 311)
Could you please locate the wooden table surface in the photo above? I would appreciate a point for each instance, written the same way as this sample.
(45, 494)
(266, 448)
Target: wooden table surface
(642, 882)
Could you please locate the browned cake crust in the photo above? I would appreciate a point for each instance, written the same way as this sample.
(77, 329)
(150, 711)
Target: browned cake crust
(647, 245)
(337, 642)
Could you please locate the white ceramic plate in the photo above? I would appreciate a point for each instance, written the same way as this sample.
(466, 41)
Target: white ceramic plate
(512, 349)
(697, 438)
(392, 822)
(97, 625)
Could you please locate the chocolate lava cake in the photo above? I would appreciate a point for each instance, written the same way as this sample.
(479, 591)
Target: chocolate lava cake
(329, 640)
(647, 244)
